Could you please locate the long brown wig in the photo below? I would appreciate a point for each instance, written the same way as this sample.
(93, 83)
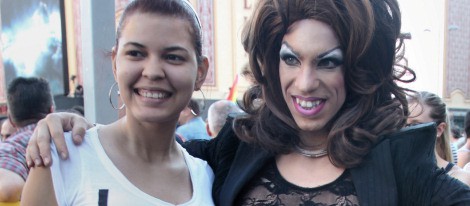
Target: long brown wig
(368, 32)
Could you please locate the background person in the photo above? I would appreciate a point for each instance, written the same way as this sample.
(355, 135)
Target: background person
(464, 152)
(457, 139)
(217, 115)
(428, 107)
(456, 142)
(7, 129)
(29, 100)
(191, 126)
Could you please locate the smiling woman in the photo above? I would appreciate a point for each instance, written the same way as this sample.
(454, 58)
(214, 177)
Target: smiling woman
(156, 78)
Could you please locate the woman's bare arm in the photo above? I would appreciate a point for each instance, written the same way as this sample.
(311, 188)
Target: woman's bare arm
(39, 189)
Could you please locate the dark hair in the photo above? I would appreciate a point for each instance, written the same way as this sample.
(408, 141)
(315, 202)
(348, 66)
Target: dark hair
(78, 109)
(467, 124)
(368, 31)
(456, 133)
(174, 8)
(439, 114)
(29, 100)
(194, 107)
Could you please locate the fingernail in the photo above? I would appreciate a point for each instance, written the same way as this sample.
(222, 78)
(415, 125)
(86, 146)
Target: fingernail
(37, 162)
(78, 138)
(28, 163)
(63, 155)
(46, 160)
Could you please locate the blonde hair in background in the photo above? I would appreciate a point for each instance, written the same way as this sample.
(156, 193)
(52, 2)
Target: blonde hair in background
(438, 114)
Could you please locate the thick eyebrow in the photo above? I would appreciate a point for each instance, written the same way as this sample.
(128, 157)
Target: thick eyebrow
(133, 44)
(318, 57)
(327, 52)
(175, 48)
(290, 48)
(166, 49)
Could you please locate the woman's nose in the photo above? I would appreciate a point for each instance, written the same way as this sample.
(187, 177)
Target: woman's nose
(154, 69)
(307, 80)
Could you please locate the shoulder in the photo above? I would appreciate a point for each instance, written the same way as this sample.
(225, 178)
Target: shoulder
(412, 144)
(198, 166)
(411, 148)
(82, 165)
(19, 139)
(87, 149)
(7, 148)
(460, 174)
(12, 154)
(417, 131)
(194, 162)
(201, 173)
(418, 178)
(463, 150)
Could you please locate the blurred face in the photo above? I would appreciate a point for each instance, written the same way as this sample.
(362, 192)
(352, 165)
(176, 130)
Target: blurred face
(156, 68)
(7, 129)
(311, 74)
(421, 113)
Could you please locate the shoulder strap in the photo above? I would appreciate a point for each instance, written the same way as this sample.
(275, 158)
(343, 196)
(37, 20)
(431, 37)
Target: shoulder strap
(449, 167)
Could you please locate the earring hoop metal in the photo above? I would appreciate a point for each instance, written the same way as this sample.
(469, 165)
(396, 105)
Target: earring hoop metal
(111, 101)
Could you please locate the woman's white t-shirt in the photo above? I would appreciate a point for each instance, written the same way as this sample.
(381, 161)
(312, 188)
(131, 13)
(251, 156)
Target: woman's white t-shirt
(89, 176)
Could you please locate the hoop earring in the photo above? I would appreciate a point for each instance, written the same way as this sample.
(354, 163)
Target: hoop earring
(111, 101)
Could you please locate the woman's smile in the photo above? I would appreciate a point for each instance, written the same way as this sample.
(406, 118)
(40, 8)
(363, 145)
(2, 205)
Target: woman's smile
(308, 106)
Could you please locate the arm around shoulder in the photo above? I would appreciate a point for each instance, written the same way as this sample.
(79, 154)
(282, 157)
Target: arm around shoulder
(220, 148)
(39, 189)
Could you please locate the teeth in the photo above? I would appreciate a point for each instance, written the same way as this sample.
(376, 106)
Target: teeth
(154, 95)
(307, 104)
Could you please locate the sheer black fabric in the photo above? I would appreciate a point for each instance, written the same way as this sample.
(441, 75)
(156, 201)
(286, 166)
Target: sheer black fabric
(270, 188)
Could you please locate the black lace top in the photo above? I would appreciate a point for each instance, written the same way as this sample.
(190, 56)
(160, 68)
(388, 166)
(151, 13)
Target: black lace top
(268, 187)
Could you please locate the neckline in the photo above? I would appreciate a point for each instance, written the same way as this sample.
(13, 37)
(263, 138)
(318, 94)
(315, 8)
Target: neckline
(122, 179)
(278, 176)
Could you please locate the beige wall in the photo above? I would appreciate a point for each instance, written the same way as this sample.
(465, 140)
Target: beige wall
(229, 58)
(457, 55)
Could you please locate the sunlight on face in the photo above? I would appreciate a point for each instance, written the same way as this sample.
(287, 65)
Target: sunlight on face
(155, 66)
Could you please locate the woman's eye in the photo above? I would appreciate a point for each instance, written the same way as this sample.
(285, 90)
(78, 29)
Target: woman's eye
(330, 63)
(174, 58)
(134, 53)
(290, 60)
